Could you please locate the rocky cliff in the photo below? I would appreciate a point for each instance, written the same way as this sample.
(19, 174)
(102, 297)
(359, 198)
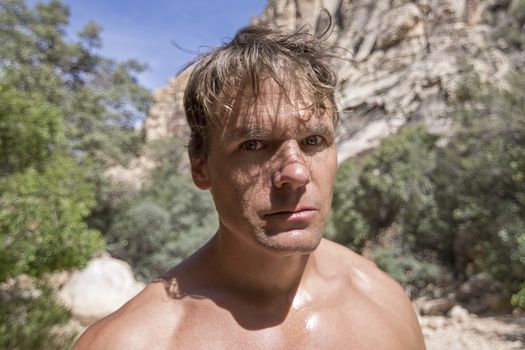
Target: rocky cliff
(407, 59)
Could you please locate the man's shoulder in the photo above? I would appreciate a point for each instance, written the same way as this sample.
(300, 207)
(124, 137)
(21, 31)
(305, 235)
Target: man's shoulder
(135, 324)
(350, 265)
(354, 268)
(374, 290)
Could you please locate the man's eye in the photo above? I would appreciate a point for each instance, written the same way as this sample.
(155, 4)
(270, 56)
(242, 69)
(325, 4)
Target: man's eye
(312, 140)
(251, 145)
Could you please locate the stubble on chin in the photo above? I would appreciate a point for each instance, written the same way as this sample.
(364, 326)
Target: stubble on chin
(289, 242)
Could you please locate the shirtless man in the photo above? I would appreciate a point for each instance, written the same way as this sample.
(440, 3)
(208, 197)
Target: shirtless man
(262, 113)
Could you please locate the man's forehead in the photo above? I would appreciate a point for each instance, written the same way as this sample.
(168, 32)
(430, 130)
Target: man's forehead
(272, 108)
(260, 125)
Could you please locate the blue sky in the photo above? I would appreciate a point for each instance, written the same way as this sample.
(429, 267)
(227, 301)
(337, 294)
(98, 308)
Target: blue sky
(143, 29)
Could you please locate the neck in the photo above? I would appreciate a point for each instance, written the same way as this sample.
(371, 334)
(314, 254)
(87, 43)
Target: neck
(257, 286)
(257, 271)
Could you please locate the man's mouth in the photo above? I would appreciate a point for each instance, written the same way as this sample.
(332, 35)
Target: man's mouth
(300, 214)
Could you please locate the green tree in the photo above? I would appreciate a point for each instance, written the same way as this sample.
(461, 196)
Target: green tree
(30, 319)
(391, 185)
(31, 129)
(44, 193)
(507, 18)
(386, 202)
(66, 114)
(349, 226)
(486, 159)
(100, 99)
(167, 222)
(462, 203)
(41, 219)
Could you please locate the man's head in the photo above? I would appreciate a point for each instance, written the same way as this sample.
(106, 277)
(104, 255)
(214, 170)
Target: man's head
(235, 70)
(262, 115)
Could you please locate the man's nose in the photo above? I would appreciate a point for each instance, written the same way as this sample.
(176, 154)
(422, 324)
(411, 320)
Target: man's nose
(292, 167)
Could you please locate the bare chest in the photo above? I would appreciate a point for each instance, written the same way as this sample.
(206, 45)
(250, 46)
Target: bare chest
(330, 328)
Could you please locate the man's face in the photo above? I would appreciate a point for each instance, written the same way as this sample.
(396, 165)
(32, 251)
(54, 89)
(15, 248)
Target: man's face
(271, 168)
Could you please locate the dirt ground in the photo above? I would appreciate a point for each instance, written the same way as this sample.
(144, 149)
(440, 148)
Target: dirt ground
(474, 333)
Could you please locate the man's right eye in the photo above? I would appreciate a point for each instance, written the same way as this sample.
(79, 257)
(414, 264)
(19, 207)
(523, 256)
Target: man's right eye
(251, 145)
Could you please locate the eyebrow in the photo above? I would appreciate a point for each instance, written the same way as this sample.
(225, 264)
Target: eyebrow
(321, 129)
(248, 133)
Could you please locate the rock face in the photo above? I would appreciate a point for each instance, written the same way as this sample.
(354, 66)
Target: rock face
(99, 289)
(166, 117)
(407, 59)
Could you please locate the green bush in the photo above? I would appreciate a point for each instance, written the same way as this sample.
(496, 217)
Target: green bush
(41, 220)
(66, 115)
(30, 129)
(408, 269)
(391, 185)
(486, 159)
(508, 20)
(517, 11)
(29, 320)
(463, 203)
(167, 222)
(486, 200)
(510, 35)
(139, 235)
(348, 226)
(518, 299)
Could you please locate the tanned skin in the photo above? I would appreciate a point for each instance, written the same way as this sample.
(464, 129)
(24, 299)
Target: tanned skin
(267, 279)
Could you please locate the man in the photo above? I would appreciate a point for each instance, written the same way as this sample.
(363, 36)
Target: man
(262, 114)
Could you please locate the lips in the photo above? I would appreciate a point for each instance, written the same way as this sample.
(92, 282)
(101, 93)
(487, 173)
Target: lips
(301, 214)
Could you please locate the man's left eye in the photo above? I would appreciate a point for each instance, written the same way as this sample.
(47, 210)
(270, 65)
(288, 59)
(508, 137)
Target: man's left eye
(251, 145)
(312, 140)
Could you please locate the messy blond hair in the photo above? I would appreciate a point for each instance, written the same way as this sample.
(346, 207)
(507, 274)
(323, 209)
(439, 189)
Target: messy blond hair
(298, 60)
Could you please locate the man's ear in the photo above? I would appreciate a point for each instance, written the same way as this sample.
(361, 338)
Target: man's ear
(199, 172)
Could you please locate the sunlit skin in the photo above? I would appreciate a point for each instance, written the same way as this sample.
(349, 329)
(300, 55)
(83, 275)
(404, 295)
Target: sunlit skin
(267, 279)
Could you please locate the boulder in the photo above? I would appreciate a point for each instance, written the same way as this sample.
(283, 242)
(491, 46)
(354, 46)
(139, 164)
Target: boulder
(437, 306)
(433, 322)
(102, 287)
(459, 314)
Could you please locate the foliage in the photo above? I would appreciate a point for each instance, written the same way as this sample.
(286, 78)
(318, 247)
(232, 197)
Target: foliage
(349, 225)
(66, 115)
(508, 19)
(518, 299)
(390, 185)
(168, 221)
(164, 222)
(100, 99)
(517, 11)
(170, 156)
(41, 219)
(30, 129)
(29, 321)
(510, 35)
(406, 268)
(44, 193)
(486, 158)
(463, 203)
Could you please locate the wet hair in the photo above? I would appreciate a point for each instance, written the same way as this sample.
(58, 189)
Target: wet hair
(298, 61)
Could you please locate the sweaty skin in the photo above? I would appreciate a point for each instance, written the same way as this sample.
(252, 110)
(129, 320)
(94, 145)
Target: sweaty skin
(267, 279)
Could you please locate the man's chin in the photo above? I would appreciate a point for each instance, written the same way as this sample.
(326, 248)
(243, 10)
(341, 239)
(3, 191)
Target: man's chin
(290, 242)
